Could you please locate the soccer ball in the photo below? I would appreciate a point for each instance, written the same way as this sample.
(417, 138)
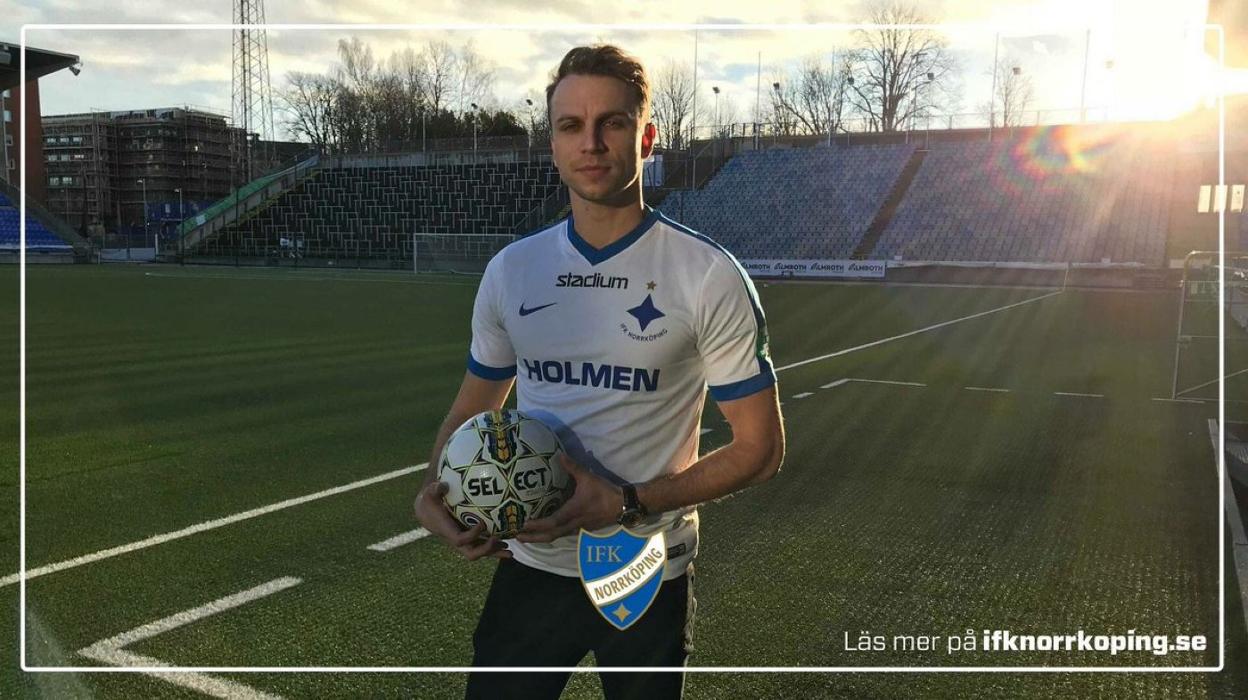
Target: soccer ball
(502, 469)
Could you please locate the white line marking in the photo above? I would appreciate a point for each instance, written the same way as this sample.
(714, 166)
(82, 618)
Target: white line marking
(110, 651)
(835, 384)
(802, 395)
(399, 540)
(186, 617)
(1075, 393)
(887, 381)
(206, 526)
(933, 327)
(1211, 381)
(1196, 401)
(986, 388)
(199, 682)
(705, 431)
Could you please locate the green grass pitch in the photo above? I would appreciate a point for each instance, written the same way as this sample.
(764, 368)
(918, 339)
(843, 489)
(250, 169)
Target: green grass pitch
(163, 397)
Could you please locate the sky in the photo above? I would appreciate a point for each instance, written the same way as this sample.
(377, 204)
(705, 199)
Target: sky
(1144, 57)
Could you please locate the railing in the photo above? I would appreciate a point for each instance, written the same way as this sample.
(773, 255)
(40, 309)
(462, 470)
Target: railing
(518, 143)
(431, 158)
(925, 120)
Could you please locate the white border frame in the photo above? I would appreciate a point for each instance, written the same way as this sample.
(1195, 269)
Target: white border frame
(1221, 457)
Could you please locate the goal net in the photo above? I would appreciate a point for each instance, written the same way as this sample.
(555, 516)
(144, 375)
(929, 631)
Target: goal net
(1197, 340)
(456, 252)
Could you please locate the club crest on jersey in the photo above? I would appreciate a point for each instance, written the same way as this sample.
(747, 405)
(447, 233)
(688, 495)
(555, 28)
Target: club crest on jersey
(645, 313)
(621, 573)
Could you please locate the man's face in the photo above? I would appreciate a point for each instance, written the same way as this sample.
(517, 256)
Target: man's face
(597, 140)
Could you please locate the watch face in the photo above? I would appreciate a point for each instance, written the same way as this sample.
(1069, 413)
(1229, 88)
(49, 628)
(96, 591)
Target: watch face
(630, 518)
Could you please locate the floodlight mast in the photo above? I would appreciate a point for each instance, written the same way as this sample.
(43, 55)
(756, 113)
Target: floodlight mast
(252, 91)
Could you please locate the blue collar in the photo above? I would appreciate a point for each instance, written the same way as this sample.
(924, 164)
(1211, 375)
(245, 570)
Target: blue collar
(597, 255)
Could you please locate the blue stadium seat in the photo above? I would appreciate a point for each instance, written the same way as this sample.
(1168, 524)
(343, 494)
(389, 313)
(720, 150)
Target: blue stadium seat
(1029, 199)
(784, 203)
(38, 237)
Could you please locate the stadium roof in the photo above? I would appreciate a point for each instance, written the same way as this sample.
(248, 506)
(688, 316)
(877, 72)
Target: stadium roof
(39, 62)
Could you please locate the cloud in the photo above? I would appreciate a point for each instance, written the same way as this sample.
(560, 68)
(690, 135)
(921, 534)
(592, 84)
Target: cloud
(124, 70)
(131, 11)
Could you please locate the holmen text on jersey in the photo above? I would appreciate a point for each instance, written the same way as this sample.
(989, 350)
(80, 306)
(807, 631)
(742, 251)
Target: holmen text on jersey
(590, 374)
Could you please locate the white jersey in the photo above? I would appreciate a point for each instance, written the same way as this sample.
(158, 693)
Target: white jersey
(614, 349)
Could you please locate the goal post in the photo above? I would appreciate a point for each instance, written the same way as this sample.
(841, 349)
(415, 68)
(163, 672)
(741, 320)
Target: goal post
(466, 253)
(1204, 303)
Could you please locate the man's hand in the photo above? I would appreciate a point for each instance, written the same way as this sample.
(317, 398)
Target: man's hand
(433, 516)
(595, 503)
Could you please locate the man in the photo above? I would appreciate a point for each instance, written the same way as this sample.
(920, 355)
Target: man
(612, 322)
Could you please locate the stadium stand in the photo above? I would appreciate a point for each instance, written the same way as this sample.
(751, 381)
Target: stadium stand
(1066, 194)
(38, 237)
(1050, 195)
(371, 212)
(793, 203)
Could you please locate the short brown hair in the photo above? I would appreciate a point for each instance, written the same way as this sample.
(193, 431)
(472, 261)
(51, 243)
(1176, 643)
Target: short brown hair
(607, 60)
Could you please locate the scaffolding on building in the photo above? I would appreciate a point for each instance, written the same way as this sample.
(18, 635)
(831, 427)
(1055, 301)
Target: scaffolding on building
(137, 173)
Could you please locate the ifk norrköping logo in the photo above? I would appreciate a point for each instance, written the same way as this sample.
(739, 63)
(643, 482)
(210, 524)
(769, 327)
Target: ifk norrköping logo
(621, 573)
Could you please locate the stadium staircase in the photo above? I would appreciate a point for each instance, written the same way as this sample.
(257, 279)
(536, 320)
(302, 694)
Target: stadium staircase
(885, 214)
(240, 205)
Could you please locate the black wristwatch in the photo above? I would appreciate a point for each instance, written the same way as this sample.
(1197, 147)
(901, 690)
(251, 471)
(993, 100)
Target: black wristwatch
(633, 512)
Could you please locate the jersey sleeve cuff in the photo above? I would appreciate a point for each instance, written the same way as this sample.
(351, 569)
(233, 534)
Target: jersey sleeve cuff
(491, 373)
(766, 377)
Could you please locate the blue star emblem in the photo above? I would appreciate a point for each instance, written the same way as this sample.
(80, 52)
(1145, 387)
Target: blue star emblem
(645, 312)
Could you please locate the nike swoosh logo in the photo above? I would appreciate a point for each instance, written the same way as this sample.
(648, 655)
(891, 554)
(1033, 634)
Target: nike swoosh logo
(526, 312)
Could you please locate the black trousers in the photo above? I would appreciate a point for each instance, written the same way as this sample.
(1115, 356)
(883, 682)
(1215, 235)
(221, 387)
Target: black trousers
(535, 618)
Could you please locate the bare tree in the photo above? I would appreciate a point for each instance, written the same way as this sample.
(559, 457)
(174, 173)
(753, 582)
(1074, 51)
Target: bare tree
(437, 61)
(351, 119)
(476, 76)
(812, 98)
(532, 115)
(672, 103)
(782, 96)
(1013, 96)
(454, 77)
(897, 72)
(365, 104)
(307, 102)
(726, 116)
(356, 63)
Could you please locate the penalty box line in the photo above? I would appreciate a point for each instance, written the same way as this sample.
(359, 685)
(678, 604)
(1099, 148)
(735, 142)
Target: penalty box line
(256, 512)
(112, 650)
(206, 526)
(907, 334)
